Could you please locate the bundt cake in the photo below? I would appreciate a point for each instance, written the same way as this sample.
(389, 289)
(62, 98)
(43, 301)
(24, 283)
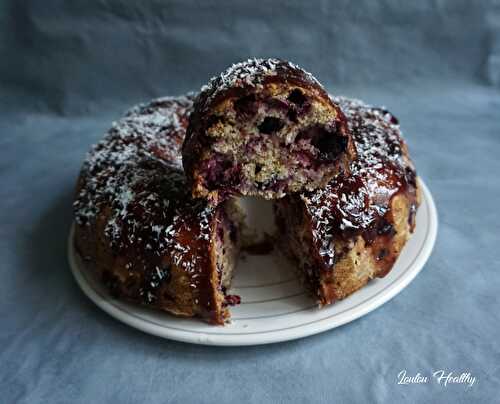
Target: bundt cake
(352, 230)
(267, 128)
(141, 232)
(138, 228)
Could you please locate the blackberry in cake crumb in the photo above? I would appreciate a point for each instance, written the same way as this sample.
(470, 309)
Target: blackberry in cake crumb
(297, 97)
(270, 124)
(246, 105)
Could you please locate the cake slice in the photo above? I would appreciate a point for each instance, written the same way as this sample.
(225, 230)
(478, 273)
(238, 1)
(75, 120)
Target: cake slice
(264, 128)
(139, 231)
(354, 229)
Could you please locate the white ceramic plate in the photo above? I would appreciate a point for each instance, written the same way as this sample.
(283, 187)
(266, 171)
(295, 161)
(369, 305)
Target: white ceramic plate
(274, 306)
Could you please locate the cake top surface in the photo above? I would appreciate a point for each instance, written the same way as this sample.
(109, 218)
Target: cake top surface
(252, 73)
(149, 133)
(354, 204)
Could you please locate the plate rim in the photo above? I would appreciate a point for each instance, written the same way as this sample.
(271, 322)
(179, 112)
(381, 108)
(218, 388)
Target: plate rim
(115, 309)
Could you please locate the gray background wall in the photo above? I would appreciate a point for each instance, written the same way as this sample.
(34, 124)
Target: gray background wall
(76, 56)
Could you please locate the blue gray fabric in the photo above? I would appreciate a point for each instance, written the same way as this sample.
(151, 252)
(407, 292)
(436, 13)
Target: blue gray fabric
(67, 69)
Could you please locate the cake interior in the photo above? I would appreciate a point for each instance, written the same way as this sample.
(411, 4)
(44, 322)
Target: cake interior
(272, 142)
(228, 240)
(296, 242)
